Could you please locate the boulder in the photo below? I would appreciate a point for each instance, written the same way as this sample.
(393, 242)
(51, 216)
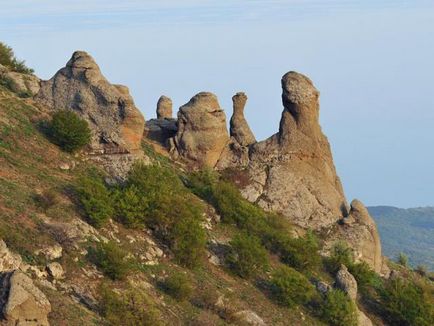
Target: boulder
(292, 172)
(239, 128)
(51, 252)
(202, 134)
(8, 261)
(117, 125)
(360, 232)
(55, 270)
(22, 303)
(346, 282)
(248, 317)
(164, 108)
(22, 84)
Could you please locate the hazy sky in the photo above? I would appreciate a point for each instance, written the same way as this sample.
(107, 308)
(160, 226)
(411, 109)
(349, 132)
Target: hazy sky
(372, 60)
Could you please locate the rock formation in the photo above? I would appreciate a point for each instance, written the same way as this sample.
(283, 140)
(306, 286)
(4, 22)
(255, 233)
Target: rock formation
(117, 125)
(346, 282)
(360, 232)
(9, 261)
(239, 128)
(202, 134)
(21, 302)
(164, 127)
(22, 84)
(164, 108)
(292, 172)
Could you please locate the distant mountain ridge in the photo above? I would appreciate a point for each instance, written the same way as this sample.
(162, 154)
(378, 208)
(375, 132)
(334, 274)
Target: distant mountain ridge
(410, 231)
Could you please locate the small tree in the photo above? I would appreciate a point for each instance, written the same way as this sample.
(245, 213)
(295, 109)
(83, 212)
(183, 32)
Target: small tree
(403, 259)
(291, 288)
(338, 309)
(95, 199)
(111, 259)
(8, 59)
(248, 257)
(179, 286)
(69, 131)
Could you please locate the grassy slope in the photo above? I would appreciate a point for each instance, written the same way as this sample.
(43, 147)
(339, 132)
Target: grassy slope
(418, 239)
(29, 164)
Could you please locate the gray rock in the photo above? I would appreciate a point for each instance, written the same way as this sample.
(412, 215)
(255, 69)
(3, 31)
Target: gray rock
(20, 83)
(239, 128)
(9, 261)
(346, 282)
(22, 303)
(164, 108)
(202, 134)
(55, 270)
(248, 317)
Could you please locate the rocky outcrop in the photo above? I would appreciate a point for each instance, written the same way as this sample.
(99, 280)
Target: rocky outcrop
(346, 282)
(9, 261)
(359, 231)
(21, 302)
(202, 134)
(292, 172)
(164, 127)
(117, 125)
(239, 128)
(164, 108)
(23, 84)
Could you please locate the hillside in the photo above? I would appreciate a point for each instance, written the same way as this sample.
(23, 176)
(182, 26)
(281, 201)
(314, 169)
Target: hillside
(410, 231)
(106, 219)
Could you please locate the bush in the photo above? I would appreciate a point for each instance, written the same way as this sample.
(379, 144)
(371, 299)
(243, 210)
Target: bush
(247, 257)
(129, 308)
(291, 288)
(130, 206)
(69, 131)
(364, 276)
(46, 199)
(403, 259)
(338, 309)
(8, 59)
(341, 254)
(188, 238)
(111, 259)
(94, 199)
(406, 303)
(178, 286)
(301, 253)
(174, 215)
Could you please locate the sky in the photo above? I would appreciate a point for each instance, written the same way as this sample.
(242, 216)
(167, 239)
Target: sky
(372, 60)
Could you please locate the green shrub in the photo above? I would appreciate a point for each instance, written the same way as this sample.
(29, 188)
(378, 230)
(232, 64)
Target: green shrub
(188, 238)
(8, 59)
(301, 253)
(247, 257)
(46, 199)
(111, 259)
(69, 131)
(365, 276)
(95, 199)
(406, 303)
(403, 259)
(341, 254)
(168, 209)
(338, 309)
(291, 288)
(129, 308)
(130, 206)
(178, 286)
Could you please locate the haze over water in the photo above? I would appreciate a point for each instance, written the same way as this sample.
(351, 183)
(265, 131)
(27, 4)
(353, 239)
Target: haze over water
(371, 60)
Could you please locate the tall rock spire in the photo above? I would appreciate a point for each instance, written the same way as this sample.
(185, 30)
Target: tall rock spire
(239, 128)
